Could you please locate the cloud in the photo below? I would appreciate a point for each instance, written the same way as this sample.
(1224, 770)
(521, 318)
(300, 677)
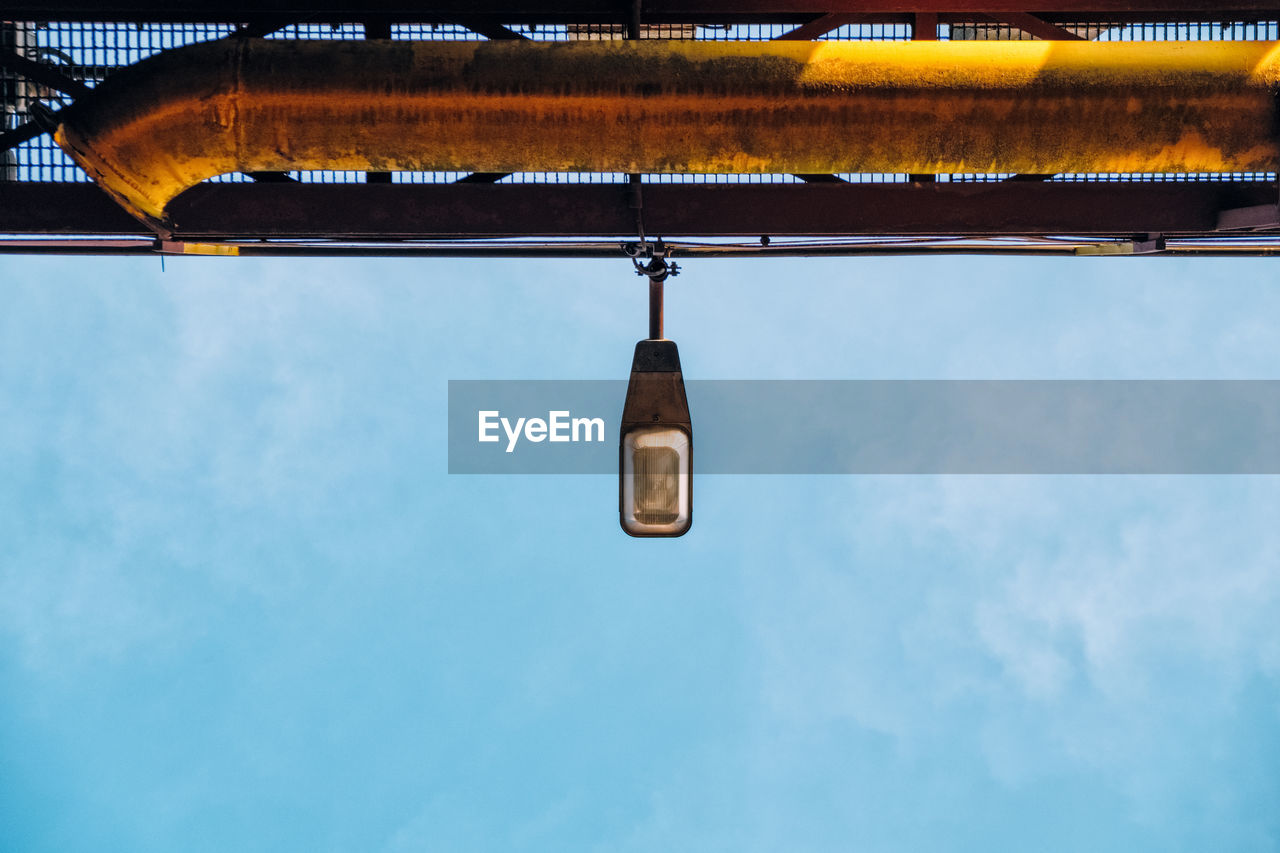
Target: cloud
(1100, 627)
(890, 660)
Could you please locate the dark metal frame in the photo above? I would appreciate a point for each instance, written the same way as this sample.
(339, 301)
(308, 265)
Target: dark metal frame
(622, 12)
(355, 212)
(478, 216)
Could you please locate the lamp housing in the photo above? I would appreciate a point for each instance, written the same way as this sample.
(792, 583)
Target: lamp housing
(655, 446)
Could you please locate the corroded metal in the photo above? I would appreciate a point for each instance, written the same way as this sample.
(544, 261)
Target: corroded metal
(253, 105)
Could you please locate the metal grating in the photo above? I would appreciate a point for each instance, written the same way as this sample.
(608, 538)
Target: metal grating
(88, 52)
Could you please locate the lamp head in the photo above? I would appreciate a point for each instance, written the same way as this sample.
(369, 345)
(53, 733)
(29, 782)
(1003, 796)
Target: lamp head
(655, 486)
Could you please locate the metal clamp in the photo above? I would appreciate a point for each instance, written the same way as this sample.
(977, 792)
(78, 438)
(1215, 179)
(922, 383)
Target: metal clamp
(657, 269)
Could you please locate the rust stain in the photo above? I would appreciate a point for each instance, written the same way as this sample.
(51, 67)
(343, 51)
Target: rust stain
(151, 131)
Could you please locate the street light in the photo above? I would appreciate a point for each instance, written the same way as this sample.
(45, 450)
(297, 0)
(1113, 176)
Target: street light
(655, 454)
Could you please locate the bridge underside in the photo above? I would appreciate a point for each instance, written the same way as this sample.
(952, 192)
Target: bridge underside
(55, 54)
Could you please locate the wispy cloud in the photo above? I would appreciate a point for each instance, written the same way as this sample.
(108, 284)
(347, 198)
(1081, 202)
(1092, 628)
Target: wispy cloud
(1098, 625)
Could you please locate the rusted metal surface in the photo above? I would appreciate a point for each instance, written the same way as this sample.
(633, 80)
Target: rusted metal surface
(242, 105)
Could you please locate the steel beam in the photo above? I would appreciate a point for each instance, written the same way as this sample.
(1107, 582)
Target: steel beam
(42, 73)
(1253, 246)
(468, 210)
(1032, 25)
(587, 11)
(925, 27)
(20, 134)
(818, 27)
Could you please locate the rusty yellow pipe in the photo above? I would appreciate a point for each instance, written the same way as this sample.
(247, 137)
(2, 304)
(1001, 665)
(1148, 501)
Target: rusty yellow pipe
(243, 105)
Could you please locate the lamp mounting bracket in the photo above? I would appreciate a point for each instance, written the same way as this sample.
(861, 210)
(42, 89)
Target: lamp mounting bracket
(656, 269)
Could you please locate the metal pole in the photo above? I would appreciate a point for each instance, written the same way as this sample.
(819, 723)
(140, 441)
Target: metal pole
(633, 26)
(655, 309)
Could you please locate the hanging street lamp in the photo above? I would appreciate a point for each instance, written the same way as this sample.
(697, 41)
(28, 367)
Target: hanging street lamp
(655, 484)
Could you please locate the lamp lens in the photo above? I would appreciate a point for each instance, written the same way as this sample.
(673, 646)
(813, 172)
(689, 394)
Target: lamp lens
(656, 481)
(657, 490)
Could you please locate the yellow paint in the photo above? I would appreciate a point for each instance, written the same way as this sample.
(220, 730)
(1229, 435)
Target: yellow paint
(151, 131)
(209, 249)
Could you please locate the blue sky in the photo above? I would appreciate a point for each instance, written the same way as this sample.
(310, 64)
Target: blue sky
(243, 607)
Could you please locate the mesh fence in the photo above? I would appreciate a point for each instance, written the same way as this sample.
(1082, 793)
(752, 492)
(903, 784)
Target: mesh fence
(88, 52)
